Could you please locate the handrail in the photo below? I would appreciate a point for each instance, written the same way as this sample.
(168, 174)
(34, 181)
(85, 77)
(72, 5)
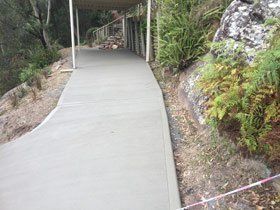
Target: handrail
(108, 24)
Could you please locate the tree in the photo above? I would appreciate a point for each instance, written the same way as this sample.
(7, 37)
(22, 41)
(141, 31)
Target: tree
(43, 19)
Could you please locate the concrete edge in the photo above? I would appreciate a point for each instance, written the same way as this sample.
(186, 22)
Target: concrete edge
(47, 118)
(62, 96)
(172, 180)
(174, 195)
(52, 113)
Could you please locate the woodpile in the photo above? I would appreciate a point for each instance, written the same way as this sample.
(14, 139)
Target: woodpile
(113, 42)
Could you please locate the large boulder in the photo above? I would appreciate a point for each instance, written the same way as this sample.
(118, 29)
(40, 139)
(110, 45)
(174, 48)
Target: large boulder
(190, 95)
(242, 23)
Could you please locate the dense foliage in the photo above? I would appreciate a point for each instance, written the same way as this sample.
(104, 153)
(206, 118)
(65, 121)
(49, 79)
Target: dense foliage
(246, 96)
(185, 29)
(31, 32)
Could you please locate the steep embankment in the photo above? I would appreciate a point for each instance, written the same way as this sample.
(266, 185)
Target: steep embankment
(208, 164)
(25, 107)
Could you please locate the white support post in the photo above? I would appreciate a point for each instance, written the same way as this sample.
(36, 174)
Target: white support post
(148, 30)
(78, 28)
(72, 33)
(125, 30)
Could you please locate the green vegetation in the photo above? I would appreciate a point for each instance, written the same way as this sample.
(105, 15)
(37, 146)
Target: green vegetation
(241, 96)
(272, 22)
(28, 74)
(41, 57)
(246, 97)
(31, 32)
(186, 28)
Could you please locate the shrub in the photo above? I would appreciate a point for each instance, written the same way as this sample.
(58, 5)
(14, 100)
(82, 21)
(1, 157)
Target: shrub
(46, 72)
(249, 95)
(39, 60)
(9, 72)
(14, 99)
(89, 36)
(41, 57)
(186, 27)
(181, 45)
(29, 74)
(15, 69)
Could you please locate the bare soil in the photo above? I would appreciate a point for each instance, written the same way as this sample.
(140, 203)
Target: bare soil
(24, 108)
(208, 165)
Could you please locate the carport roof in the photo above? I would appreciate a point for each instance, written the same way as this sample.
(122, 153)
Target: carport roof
(106, 4)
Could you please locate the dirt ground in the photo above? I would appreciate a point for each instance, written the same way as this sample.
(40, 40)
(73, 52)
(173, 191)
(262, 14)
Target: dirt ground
(208, 165)
(24, 108)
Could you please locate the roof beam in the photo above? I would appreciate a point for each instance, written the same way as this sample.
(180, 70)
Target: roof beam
(106, 4)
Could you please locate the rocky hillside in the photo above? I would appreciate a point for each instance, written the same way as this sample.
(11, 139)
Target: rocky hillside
(244, 23)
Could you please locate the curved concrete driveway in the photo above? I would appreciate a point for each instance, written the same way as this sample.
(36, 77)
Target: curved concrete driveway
(106, 146)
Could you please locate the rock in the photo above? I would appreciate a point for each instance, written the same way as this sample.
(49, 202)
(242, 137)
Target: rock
(191, 96)
(114, 46)
(17, 90)
(113, 42)
(276, 184)
(248, 1)
(243, 22)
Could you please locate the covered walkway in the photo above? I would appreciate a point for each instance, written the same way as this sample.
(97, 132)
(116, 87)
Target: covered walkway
(106, 146)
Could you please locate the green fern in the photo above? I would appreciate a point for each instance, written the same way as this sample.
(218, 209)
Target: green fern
(248, 94)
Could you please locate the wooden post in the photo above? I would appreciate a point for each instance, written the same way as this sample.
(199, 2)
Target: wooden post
(136, 37)
(158, 30)
(107, 31)
(98, 37)
(128, 34)
(132, 35)
(148, 47)
(102, 32)
(142, 36)
(143, 44)
(72, 33)
(78, 28)
(113, 30)
(125, 30)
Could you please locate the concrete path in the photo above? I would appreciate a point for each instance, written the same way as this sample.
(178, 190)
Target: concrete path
(106, 146)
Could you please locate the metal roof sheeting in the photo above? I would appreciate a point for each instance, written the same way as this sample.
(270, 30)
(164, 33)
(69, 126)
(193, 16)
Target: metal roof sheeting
(106, 4)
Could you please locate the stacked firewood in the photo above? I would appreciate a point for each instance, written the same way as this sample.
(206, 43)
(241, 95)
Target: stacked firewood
(113, 42)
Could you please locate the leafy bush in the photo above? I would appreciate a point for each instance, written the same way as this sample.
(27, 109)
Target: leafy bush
(181, 45)
(249, 95)
(41, 57)
(186, 27)
(9, 72)
(28, 74)
(89, 36)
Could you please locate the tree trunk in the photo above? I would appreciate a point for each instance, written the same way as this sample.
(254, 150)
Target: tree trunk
(43, 41)
(45, 32)
(37, 13)
(2, 48)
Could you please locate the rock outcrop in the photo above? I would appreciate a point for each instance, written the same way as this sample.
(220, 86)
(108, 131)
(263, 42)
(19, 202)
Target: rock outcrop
(244, 23)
